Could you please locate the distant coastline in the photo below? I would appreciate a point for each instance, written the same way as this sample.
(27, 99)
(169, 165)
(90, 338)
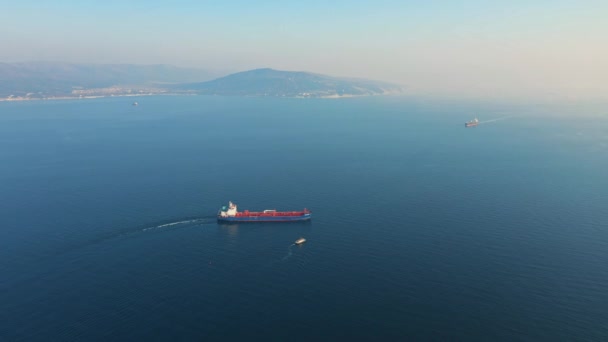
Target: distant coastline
(88, 97)
(52, 81)
(52, 98)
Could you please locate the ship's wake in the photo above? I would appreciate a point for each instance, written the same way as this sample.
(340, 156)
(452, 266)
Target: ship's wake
(190, 221)
(168, 224)
(130, 232)
(135, 230)
(499, 119)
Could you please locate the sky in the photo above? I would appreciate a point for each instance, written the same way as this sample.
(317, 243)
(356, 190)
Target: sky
(467, 48)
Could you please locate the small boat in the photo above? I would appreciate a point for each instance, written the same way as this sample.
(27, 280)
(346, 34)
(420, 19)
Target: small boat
(135, 103)
(300, 241)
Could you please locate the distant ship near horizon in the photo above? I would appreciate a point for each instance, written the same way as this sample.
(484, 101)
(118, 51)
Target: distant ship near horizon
(472, 123)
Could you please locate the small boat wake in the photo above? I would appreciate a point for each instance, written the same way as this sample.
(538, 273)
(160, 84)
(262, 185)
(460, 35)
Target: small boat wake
(298, 242)
(289, 252)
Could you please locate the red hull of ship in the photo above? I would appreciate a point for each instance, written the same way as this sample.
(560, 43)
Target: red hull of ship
(247, 213)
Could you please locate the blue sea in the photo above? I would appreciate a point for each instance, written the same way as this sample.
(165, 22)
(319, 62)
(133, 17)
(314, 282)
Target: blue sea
(422, 229)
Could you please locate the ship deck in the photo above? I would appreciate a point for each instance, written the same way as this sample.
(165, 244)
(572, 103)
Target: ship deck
(247, 213)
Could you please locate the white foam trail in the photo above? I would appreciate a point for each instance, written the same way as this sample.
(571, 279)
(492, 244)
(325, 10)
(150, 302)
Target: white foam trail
(289, 253)
(173, 224)
(494, 120)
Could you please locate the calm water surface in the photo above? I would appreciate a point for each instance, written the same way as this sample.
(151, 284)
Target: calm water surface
(421, 229)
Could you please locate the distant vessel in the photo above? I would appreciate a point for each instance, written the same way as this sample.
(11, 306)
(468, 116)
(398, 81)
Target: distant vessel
(472, 123)
(231, 214)
(300, 241)
(135, 103)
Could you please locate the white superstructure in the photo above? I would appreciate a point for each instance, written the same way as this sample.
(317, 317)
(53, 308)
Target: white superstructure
(229, 211)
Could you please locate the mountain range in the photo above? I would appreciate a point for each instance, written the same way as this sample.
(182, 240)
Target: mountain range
(270, 82)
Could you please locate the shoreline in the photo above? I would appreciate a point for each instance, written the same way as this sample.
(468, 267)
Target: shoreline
(54, 98)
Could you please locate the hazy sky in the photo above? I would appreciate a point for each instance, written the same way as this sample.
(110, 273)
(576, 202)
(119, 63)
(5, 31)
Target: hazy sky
(489, 48)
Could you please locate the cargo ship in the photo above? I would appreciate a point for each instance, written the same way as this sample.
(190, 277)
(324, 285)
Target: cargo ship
(231, 214)
(472, 123)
